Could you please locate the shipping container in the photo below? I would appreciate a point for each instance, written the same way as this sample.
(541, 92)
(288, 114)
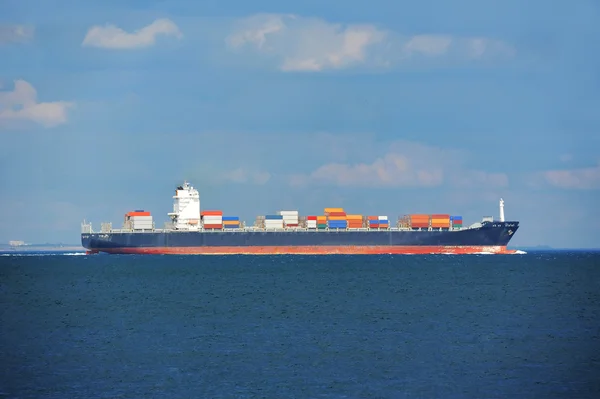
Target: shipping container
(141, 219)
(337, 218)
(440, 216)
(311, 218)
(354, 217)
(230, 218)
(273, 217)
(213, 226)
(137, 213)
(211, 213)
(288, 213)
(336, 214)
(328, 210)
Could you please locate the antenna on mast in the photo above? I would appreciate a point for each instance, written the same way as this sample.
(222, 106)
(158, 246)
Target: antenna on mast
(501, 210)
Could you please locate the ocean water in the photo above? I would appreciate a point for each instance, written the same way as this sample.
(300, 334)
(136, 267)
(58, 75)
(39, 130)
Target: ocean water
(443, 326)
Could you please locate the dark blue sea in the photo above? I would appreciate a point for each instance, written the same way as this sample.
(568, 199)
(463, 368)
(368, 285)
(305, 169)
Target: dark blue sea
(443, 326)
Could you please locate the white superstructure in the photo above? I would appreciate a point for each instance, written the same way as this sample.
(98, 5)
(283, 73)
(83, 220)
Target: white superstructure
(501, 210)
(186, 208)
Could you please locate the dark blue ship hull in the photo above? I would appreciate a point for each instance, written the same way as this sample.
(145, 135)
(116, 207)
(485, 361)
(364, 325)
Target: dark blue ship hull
(490, 237)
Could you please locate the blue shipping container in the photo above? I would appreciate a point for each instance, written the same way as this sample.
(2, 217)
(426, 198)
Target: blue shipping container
(230, 218)
(455, 217)
(231, 226)
(274, 217)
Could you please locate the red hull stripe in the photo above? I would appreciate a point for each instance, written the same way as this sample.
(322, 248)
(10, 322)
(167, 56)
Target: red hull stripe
(310, 250)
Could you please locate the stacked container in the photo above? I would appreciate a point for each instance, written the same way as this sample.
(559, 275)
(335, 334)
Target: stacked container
(354, 221)
(212, 219)
(384, 222)
(139, 220)
(321, 222)
(373, 222)
(336, 218)
(457, 221)
(273, 222)
(231, 222)
(311, 222)
(290, 218)
(419, 221)
(440, 221)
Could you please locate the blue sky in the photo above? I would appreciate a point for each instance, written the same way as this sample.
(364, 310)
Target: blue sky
(379, 107)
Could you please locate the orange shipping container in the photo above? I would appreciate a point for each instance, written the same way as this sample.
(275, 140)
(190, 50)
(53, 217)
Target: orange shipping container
(211, 213)
(440, 216)
(372, 217)
(138, 214)
(354, 217)
(337, 218)
(329, 210)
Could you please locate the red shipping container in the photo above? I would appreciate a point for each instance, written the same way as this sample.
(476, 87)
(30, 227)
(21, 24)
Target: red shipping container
(336, 214)
(213, 226)
(138, 214)
(311, 218)
(211, 213)
(439, 216)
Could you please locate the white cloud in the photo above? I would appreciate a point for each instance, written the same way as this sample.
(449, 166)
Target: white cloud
(580, 179)
(306, 44)
(110, 36)
(310, 44)
(16, 33)
(406, 164)
(21, 105)
(245, 175)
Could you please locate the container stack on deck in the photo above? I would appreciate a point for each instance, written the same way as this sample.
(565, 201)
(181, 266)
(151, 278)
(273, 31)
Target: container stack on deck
(231, 222)
(139, 220)
(290, 218)
(457, 222)
(333, 218)
(419, 221)
(355, 221)
(440, 221)
(273, 222)
(212, 219)
(336, 218)
(321, 222)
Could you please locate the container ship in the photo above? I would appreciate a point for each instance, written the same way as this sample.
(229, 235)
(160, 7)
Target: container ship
(192, 231)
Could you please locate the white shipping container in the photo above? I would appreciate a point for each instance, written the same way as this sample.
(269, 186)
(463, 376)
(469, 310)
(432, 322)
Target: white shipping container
(212, 219)
(141, 218)
(383, 218)
(288, 213)
(142, 226)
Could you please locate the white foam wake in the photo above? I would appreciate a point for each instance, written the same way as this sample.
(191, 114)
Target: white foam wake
(45, 254)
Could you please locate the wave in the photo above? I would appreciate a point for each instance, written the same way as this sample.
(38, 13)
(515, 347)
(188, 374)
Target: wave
(44, 254)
